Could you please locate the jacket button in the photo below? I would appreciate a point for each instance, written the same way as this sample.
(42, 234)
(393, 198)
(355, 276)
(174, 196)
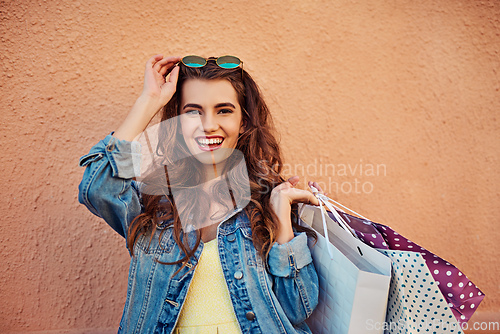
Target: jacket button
(238, 275)
(250, 315)
(231, 237)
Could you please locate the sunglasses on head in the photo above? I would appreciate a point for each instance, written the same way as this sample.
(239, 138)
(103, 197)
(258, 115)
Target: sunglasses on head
(227, 62)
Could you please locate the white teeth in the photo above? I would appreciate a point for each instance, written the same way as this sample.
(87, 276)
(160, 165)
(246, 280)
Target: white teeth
(210, 141)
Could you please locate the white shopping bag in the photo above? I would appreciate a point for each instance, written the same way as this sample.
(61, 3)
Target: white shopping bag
(353, 279)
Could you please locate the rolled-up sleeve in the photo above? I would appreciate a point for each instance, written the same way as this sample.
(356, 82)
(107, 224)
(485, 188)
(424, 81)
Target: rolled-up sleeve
(295, 279)
(123, 156)
(287, 259)
(107, 188)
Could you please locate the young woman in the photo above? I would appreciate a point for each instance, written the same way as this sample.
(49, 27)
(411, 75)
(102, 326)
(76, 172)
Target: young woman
(212, 226)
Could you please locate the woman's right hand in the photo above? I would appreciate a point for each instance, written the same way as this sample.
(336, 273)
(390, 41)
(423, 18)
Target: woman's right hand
(156, 86)
(156, 93)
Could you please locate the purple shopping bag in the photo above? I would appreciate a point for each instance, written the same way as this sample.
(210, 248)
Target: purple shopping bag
(462, 295)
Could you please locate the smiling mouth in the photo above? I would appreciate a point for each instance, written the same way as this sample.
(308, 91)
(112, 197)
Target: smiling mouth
(209, 144)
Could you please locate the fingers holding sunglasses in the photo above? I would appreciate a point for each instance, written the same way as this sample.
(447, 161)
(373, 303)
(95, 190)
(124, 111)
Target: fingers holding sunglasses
(157, 68)
(152, 80)
(153, 60)
(165, 65)
(168, 88)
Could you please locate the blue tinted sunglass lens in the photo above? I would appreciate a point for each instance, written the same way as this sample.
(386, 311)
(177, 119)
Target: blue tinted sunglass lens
(229, 65)
(228, 62)
(193, 64)
(194, 61)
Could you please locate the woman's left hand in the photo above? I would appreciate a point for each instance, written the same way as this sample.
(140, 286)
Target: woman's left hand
(282, 198)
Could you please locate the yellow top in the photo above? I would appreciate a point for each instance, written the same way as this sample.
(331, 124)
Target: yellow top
(208, 308)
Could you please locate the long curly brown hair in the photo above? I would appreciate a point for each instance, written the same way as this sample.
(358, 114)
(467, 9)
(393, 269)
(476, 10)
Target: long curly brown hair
(262, 159)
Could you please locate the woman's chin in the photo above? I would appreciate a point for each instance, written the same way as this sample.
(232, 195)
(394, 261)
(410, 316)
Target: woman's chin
(212, 157)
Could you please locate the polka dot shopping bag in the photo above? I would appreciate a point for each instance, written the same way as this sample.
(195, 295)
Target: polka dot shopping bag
(427, 294)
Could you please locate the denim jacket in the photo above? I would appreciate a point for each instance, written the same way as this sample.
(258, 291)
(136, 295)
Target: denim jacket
(276, 300)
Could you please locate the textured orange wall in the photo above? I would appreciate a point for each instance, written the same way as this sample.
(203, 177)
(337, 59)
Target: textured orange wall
(409, 86)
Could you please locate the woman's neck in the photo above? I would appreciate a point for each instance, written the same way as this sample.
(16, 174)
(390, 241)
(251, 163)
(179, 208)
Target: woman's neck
(212, 172)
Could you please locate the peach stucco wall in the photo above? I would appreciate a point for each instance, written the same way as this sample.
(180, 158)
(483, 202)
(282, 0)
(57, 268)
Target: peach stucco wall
(408, 87)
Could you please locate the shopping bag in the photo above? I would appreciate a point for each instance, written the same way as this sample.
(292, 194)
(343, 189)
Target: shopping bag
(353, 279)
(427, 292)
(416, 305)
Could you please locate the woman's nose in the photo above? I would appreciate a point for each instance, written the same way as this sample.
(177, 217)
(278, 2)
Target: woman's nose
(209, 123)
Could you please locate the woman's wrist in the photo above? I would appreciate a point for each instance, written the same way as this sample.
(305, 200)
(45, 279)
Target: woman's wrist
(285, 231)
(281, 206)
(144, 109)
(147, 104)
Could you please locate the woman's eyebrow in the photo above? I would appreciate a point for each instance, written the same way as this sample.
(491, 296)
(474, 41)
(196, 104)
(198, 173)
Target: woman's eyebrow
(192, 105)
(218, 105)
(226, 104)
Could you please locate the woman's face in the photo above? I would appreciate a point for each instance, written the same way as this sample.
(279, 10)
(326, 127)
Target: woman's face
(211, 119)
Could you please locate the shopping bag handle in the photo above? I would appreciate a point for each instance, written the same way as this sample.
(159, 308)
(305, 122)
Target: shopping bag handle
(325, 228)
(324, 200)
(340, 206)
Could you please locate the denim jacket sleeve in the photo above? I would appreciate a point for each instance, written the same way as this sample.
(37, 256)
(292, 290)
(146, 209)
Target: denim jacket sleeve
(295, 279)
(107, 188)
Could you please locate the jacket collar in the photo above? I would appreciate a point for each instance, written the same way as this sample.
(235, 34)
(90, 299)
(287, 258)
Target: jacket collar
(235, 220)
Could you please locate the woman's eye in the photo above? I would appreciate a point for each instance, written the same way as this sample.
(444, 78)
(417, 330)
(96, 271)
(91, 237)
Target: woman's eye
(225, 111)
(193, 112)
